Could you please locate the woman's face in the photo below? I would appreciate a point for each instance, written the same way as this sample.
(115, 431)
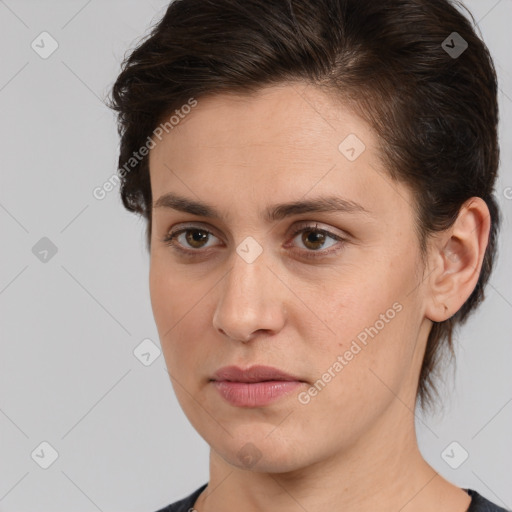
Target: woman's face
(333, 296)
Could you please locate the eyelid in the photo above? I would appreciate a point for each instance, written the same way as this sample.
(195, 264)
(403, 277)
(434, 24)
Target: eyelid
(317, 226)
(192, 225)
(196, 224)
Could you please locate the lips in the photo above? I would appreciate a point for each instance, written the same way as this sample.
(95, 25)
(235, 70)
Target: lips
(257, 386)
(256, 373)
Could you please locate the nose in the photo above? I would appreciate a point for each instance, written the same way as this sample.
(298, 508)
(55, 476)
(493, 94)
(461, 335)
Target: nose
(252, 300)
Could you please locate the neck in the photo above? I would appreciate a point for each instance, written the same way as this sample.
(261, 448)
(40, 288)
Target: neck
(383, 471)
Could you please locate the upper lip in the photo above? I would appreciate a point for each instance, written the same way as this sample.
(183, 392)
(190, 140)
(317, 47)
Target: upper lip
(256, 373)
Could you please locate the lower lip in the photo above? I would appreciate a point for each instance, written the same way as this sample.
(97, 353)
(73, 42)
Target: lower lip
(254, 394)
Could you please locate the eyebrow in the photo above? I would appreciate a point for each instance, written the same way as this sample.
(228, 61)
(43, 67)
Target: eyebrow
(271, 214)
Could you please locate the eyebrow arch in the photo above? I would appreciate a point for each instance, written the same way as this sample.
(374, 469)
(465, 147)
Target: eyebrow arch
(271, 214)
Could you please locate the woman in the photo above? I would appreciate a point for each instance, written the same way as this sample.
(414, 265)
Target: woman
(317, 178)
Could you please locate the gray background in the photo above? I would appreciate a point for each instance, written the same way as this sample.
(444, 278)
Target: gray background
(69, 325)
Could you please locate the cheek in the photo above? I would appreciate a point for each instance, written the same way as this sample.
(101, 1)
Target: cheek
(176, 301)
(172, 292)
(372, 319)
(170, 300)
(359, 375)
(162, 300)
(353, 300)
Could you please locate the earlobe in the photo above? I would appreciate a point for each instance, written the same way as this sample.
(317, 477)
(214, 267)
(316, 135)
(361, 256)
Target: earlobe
(456, 258)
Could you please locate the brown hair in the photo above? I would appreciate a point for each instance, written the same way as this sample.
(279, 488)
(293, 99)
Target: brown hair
(435, 112)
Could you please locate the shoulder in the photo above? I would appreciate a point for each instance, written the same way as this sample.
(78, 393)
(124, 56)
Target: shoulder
(186, 504)
(481, 504)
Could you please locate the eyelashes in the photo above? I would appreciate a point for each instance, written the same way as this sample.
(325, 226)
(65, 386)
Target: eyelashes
(188, 241)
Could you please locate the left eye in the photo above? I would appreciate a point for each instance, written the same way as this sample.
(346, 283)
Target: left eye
(314, 239)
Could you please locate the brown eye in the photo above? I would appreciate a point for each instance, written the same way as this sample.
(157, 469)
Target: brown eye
(196, 237)
(312, 242)
(190, 240)
(313, 239)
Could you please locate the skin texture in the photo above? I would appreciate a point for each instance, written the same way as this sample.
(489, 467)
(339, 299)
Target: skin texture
(353, 445)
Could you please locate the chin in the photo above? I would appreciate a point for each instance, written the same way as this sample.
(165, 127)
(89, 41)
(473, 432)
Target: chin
(264, 462)
(260, 453)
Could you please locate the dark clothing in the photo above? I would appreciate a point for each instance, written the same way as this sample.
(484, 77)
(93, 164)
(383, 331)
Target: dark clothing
(478, 503)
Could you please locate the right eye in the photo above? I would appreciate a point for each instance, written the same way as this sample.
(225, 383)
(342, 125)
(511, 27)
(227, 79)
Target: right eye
(189, 240)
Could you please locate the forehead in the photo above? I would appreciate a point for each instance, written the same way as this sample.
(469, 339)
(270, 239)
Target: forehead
(278, 128)
(285, 141)
(292, 115)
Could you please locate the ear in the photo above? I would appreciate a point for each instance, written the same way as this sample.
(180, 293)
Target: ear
(455, 258)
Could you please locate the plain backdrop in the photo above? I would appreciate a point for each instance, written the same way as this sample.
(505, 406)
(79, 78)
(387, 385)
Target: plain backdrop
(74, 299)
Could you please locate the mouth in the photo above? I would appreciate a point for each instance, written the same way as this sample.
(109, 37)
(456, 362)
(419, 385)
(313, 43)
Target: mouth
(256, 386)
(256, 373)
